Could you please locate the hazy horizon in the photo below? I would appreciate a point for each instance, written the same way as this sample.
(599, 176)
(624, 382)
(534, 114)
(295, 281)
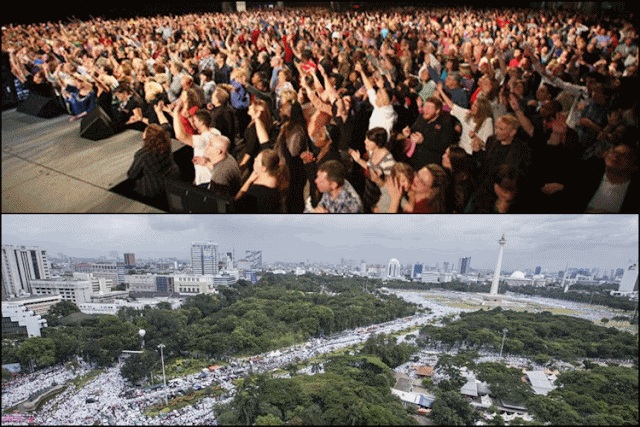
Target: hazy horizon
(549, 241)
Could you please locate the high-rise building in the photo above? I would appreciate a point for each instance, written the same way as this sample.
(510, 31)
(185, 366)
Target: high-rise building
(465, 265)
(204, 258)
(446, 267)
(393, 269)
(538, 270)
(130, 260)
(108, 270)
(417, 270)
(20, 264)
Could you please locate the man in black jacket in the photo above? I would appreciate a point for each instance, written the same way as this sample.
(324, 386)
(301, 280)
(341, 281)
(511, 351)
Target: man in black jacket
(432, 133)
(222, 116)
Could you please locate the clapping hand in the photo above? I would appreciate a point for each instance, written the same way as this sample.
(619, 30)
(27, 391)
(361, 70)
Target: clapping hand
(136, 117)
(200, 161)
(395, 189)
(355, 155)
(307, 157)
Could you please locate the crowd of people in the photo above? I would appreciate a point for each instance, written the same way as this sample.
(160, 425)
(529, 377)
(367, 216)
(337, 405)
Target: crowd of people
(445, 110)
(28, 386)
(100, 401)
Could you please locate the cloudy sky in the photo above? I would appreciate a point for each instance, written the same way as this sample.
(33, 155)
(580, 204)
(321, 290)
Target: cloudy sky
(551, 242)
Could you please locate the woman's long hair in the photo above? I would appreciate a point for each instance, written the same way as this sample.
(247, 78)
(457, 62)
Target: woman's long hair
(461, 177)
(484, 112)
(294, 118)
(440, 182)
(277, 168)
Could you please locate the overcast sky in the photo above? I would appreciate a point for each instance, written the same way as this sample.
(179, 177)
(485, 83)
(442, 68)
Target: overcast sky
(552, 242)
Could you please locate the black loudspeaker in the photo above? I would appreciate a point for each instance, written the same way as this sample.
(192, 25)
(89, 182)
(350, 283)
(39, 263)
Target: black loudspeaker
(96, 125)
(40, 106)
(184, 197)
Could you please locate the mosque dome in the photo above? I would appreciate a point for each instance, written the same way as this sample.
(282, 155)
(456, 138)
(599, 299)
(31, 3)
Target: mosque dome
(517, 275)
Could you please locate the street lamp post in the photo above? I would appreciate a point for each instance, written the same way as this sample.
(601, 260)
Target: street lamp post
(164, 377)
(504, 334)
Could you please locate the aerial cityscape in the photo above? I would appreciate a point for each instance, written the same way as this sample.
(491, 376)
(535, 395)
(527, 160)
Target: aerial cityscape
(173, 320)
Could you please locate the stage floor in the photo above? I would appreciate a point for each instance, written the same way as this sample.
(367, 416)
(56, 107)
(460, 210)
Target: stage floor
(48, 168)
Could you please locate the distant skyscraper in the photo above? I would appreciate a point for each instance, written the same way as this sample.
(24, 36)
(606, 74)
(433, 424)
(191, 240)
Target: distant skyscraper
(465, 265)
(130, 260)
(417, 270)
(538, 270)
(393, 270)
(204, 258)
(20, 264)
(446, 267)
(496, 273)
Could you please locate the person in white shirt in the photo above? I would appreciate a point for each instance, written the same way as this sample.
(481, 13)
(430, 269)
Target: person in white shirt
(383, 115)
(477, 122)
(201, 122)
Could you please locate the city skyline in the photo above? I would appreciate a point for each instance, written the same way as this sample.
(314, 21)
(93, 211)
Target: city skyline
(552, 242)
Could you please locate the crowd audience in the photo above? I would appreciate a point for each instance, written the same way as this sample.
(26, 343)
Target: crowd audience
(445, 110)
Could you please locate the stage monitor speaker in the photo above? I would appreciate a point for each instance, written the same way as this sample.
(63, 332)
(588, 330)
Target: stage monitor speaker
(185, 197)
(40, 106)
(96, 125)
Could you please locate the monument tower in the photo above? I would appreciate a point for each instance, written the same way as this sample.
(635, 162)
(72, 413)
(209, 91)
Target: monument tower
(496, 274)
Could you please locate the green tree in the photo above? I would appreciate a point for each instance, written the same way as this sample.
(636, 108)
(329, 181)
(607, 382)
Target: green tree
(63, 309)
(385, 347)
(139, 366)
(451, 408)
(37, 349)
(269, 420)
(548, 410)
(66, 344)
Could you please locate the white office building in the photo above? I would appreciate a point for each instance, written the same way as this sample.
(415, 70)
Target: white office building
(188, 284)
(20, 264)
(114, 272)
(225, 279)
(141, 282)
(430, 277)
(76, 291)
(40, 305)
(18, 320)
(99, 285)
